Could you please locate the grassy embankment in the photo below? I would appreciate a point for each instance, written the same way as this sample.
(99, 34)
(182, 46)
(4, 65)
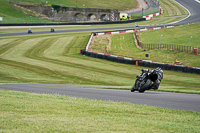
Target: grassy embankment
(124, 45)
(30, 112)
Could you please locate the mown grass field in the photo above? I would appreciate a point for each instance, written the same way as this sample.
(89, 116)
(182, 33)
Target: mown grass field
(31, 112)
(55, 59)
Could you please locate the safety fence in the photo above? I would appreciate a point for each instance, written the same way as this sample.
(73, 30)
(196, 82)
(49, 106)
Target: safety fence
(173, 47)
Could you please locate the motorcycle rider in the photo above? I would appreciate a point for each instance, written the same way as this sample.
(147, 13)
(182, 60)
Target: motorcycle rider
(155, 75)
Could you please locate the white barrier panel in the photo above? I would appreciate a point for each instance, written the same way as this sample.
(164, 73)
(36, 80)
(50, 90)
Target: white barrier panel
(100, 34)
(88, 45)
(143, 29)
(170, 26)
(117, 32)
(148, 18)
(129, 31)
(157, 28)
(114, 56)
(127, 58)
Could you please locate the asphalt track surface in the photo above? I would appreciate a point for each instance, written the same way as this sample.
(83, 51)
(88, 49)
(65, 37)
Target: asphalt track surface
(177, 101)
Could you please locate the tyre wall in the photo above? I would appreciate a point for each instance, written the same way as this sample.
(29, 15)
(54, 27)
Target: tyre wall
(141, 62)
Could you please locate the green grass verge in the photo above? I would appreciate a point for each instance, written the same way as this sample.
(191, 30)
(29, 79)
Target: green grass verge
(55, 59)
(180, 35)
(31, 112)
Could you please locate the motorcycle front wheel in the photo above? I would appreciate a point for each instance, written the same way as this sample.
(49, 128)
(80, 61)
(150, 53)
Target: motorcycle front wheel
(145, 85)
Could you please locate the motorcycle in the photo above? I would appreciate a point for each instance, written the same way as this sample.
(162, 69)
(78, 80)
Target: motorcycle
(30, 32)
(144, 81)
(52, 30)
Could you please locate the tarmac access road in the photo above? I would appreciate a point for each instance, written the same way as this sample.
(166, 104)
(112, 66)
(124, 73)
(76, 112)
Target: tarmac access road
(178, 101)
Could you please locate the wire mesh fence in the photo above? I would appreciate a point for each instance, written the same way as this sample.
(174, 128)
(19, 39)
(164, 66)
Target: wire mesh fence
(173, 47)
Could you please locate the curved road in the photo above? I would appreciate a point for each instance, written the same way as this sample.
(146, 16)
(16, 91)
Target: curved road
(160, 99)
(194, 8)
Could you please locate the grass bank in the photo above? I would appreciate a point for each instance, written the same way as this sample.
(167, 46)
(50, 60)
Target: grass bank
(55, 59)
(180, 35)
(31, 112)
(124, 45)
